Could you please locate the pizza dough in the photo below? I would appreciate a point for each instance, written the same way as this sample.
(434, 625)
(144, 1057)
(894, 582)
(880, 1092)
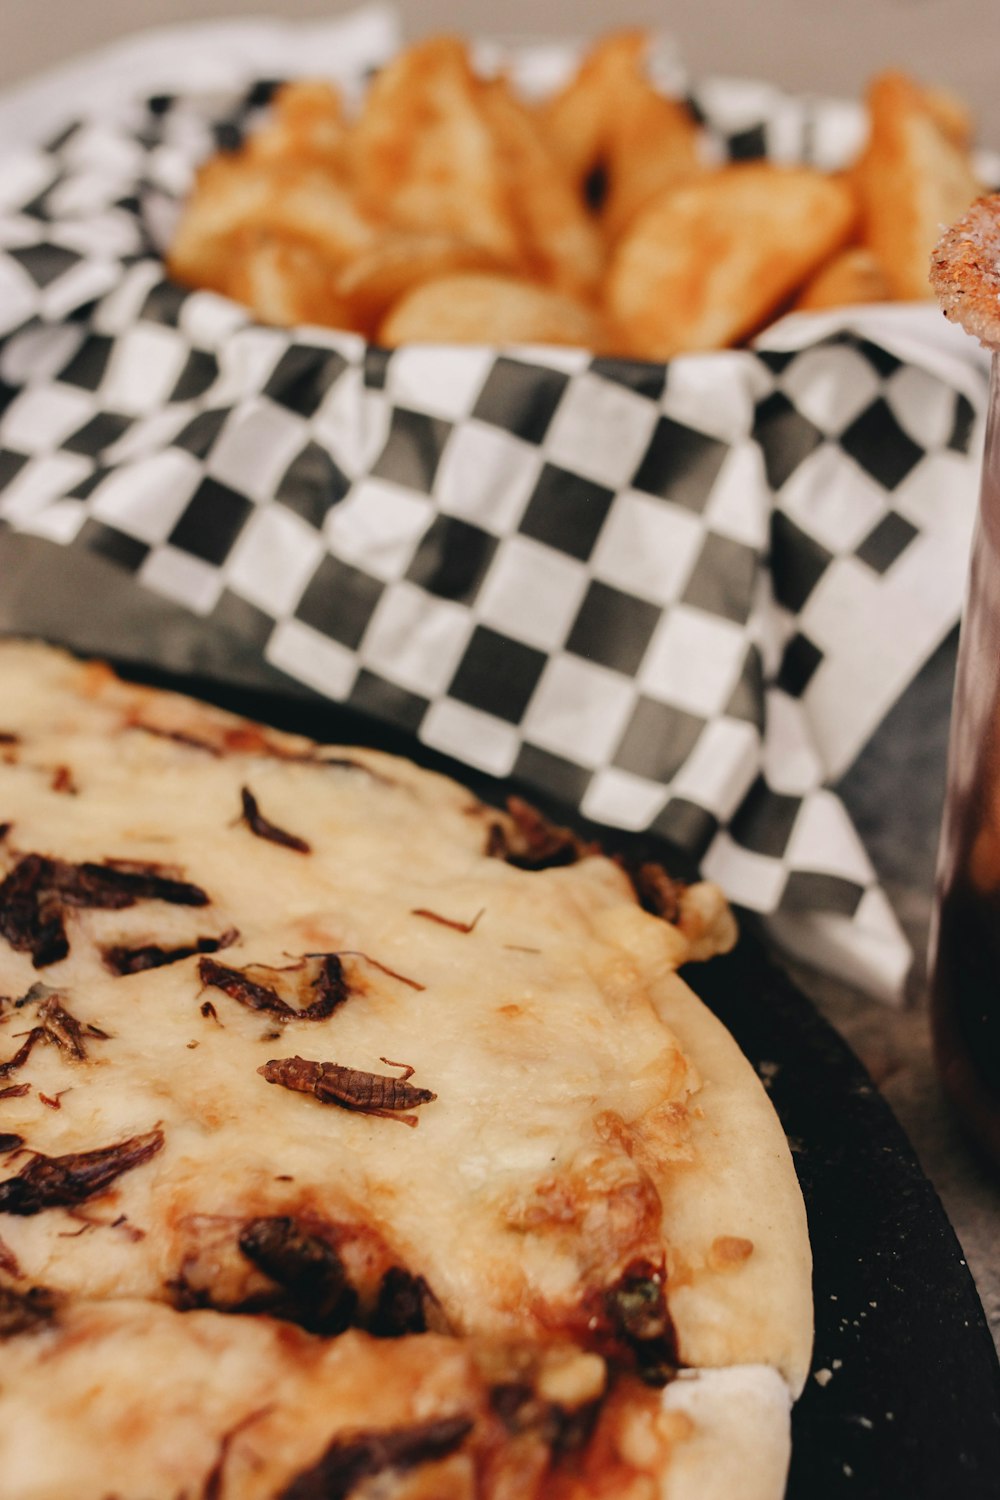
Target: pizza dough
(359, 1139)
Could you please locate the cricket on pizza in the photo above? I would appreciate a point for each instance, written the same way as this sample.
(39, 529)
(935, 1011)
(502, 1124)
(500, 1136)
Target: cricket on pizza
(233, 962)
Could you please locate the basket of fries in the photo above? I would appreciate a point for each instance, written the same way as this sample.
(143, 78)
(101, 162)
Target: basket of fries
(452, 209)
(464, 393)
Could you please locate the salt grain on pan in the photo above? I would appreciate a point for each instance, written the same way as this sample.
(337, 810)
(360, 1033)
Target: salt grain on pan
(823, 1377)
(767, 1072)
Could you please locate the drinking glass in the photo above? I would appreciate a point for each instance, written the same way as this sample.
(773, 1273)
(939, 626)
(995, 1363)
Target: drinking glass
(965, 939)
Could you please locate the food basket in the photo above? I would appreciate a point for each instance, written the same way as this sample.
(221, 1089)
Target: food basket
(649, 591)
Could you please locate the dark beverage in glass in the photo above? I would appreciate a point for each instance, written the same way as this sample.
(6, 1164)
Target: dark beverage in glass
(965, 940)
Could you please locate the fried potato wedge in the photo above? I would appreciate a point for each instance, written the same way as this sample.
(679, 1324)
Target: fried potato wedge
(560, 242)
(312, 204)
(479, 308)
(576, 119)
(225, 197)
(306, 120)
(914, 175)
(398, 261)
(286, 281)
(707, 262)
(852, 277)
(235, 192)
(610, 119)
(953, 116)
(423, 152)
(654, 146)
(452, 209)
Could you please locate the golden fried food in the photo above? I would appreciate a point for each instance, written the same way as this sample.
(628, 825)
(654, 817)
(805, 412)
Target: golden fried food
(437, 149)
(307, 120)
(706, 263)
(914, 175)
(425, 157)
(951, 114)
(286, 281)
(561, 244)
(610, 120)
(369, 284)
(449, 208)
(852, 277)
(654, 147)
(241, 192)
(226, 197)
(577, 117)
(489, 309)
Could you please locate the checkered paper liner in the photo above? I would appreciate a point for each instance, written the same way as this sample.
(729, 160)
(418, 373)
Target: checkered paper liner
(679, 598)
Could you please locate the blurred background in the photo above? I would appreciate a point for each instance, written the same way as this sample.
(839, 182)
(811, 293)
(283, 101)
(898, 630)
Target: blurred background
(802, 45)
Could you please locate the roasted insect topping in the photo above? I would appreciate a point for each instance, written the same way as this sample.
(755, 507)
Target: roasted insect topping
(67, 1181)
(348, 1462)
(62, 1029)
(323, 972)
(119, 883)
(264, 829)
(657, 892)
(637, 1306)
(434, 916)
(22, 1312)
(310, 1273)
(22, 1054)
(121, 960)
(403, 1304)
(535, 843)
(30, 915)
(56, 1027)
(35, 894)
(350, 1088)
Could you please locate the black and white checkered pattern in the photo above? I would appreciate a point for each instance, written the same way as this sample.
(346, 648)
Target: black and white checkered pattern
(651, 590)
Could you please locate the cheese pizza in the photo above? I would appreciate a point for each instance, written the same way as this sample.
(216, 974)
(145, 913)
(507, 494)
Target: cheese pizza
(358, 1139)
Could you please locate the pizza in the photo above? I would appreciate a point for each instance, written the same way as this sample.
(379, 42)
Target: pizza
(359, 1139)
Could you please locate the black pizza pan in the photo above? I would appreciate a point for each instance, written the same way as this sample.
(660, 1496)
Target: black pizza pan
(903, 1399)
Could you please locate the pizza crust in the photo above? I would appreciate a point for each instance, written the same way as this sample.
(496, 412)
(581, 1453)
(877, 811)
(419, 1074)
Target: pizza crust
(740, 1284)
(739, 1440)
(734, 1310)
